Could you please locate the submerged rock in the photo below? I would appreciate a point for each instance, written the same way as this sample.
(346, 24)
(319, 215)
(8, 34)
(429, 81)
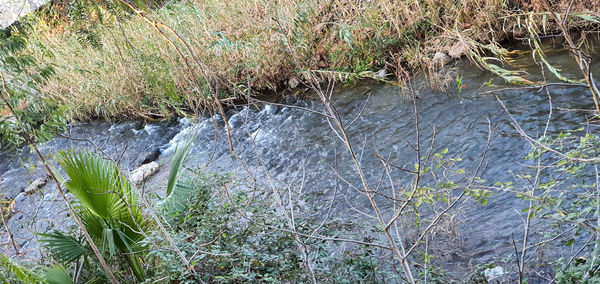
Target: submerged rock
(142, 173)
(147, 157)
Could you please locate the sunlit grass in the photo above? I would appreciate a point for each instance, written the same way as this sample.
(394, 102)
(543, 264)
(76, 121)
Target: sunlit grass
(126, 69)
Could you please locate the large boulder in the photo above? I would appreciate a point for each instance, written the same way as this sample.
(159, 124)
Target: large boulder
(142, 173)
(147, 157)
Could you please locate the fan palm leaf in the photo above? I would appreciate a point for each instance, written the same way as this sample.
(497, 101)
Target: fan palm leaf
(178, 192)
(96, 183)
(18, 271)
(108, 206)
(63, 248)
(56, 275)
(177, 163)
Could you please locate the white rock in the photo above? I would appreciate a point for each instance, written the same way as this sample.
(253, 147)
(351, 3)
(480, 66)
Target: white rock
(293, 83)
(143, 172)
(493, 273)
(457, 50)
(8, 119)
(440, 59)
(11, 11)
(381, 74)
(35, 185)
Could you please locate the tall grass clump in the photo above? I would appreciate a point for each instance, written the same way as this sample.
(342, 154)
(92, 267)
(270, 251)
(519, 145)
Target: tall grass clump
(112, 64)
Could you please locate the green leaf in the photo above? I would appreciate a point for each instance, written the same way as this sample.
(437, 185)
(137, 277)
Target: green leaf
(64, 249)
(18, 271)
(108, 206)
(96, 183)
(590, 18)
(570, 242)
(57, 275)
(177, 164)
(178, 192)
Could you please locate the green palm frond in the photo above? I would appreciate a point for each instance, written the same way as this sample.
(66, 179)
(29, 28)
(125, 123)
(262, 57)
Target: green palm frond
(106, 197)
(177, 164)
(178, 192)
(177, 202)
(63, 248)
(96, 183)
(108, 206)
(50, 275)
(56, 275)
(135, 264)
(18, 271)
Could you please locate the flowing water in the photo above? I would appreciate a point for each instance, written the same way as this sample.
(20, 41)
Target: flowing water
(299, 146)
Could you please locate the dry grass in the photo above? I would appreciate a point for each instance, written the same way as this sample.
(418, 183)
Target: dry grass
(127, 69)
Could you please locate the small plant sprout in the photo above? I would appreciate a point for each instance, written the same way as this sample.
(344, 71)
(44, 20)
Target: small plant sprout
(459, 84)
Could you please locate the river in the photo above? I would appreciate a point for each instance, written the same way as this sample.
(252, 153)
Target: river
(295, 143)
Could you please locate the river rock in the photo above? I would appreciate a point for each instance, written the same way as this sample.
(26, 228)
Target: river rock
(8, 119)
(494, 274)
(457, 50)
(142, 173)
(293, 83)
(440, 59)
(381, 74)
(235, 121)
(147, 157)
(36, 185)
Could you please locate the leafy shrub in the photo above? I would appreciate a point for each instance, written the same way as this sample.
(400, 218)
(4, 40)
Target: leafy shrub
(223, 245)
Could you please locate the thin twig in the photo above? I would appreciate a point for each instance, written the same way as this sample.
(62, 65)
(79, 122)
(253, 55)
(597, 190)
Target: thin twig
(538, 143)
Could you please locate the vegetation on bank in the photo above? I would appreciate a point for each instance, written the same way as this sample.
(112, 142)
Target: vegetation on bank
(112, 64)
